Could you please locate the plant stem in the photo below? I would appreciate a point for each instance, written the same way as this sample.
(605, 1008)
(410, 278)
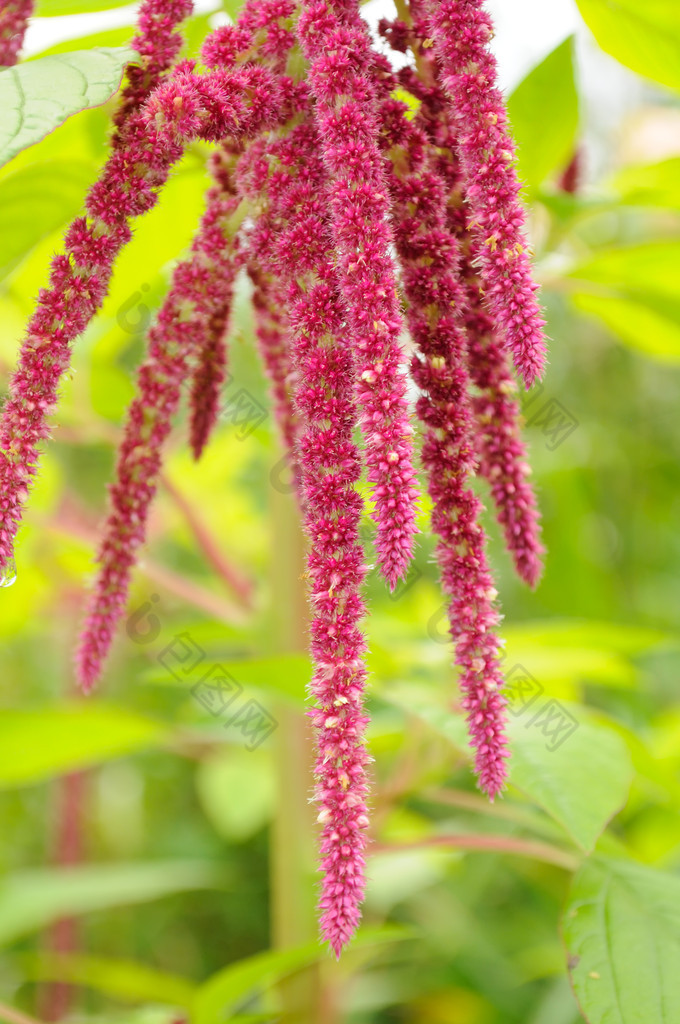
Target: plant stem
(292, 847)
(12, 1016)
(493, 843)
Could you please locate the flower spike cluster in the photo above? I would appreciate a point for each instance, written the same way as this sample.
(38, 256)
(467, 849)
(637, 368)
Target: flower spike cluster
(390, 283)
(14, 15)
(462, 30)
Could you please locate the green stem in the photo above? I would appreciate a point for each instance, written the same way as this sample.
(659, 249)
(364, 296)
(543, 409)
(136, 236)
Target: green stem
(12, 1016)
(495, 844)
(293, 875)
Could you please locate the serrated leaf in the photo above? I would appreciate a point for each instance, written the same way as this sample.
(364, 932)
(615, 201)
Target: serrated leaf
(643, 36)
(30, 900)
(578, 771)
(45, 742)
(37, 96)
(621, 928)
(543, 112)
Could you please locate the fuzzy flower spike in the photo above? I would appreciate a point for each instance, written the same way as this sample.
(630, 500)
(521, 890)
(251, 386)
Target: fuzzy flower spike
(461, 31)
(336, 45)
(14, 15)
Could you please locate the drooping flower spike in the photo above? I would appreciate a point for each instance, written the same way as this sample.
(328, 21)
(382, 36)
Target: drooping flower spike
(194, 310)
(341, 207)
(337, 48)
(501, 450)
(461, 31)
(14, 15)
(224, 103)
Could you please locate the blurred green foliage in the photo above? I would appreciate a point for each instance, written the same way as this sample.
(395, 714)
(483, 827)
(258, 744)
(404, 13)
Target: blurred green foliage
(183, 824)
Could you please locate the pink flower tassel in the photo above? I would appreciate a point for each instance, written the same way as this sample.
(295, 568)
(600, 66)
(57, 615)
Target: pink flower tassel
(503, 454)
(155, 138)
(158, 44)
(461, 31)
(336, 45)
(209, 372)
(430, 257)
(14, 15)
(294, 238)
(272, 332)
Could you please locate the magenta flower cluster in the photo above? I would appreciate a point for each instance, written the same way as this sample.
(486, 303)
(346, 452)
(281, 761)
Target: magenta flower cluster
(392, 293)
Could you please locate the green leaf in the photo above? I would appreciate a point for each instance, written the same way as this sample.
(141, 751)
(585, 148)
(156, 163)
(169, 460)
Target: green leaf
(650, 184)
(30, 900)
(221, 995)
(55, 8)
(633, 291)
(54, 193)
(45, 742)
(579, 772)
(580, 775)
(122, 979)
(622, 932)
(39, 95)
(643, 36)
(543, 112)
(237, 790)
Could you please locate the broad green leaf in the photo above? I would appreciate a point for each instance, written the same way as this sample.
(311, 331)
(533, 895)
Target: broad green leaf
(221, 995)
(237, 790)
(578, 771)
(39, 744)
(633, 290)
(122, 979)
(54, 193)
(30, 900)
(621, 928)
(39, 95)
(650, 184)
(645, 36)
(543, 112)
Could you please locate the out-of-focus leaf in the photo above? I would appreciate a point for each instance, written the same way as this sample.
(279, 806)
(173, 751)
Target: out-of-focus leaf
(56, 8)
(543, 112)
(621, 927)
(221, 995)
(39, 95)
(286, 675)
(647, 330)
(643, 36)
(53, 192)
(109, 38)
(586, 633)
(50, 741)
(122, 979)
(633, 290)
(650, 184)
(237, 790)
(30, 900)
